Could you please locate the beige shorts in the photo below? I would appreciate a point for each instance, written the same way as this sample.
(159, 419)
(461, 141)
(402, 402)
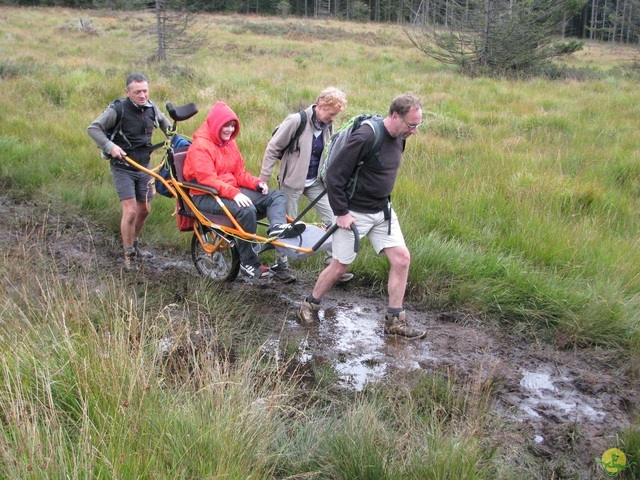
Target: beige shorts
(372, 226)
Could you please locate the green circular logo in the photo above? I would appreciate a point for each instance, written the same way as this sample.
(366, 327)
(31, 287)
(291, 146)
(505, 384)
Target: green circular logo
(614, 461)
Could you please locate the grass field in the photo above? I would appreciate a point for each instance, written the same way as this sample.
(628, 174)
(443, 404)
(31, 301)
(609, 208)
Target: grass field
(520, 203)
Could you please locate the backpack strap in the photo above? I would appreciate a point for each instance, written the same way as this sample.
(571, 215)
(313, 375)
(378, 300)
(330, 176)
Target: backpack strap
(118, 106)
(156, 115)
(375, 122)
(294, 144)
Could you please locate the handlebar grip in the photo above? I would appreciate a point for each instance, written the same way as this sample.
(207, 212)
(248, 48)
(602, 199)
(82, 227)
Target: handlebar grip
(356, 238)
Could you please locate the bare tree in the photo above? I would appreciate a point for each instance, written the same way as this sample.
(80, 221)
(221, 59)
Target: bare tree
(491, 36)
(173, 29)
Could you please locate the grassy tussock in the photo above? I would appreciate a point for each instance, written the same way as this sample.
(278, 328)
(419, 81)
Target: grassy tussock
(84, 392)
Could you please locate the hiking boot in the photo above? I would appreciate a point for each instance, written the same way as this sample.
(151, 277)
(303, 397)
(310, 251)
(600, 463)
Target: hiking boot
(141, 254)
(282, 273)
(256, 272)
(308, 312)
(130, 264)
(345, 277)
(287, 230)
(396, 324)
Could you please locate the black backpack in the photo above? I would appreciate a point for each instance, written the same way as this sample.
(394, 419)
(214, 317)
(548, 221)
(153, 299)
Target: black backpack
(294, 144)
(166, 169)
(119, 108)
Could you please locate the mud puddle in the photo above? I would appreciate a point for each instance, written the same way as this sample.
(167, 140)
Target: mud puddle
(562, 402)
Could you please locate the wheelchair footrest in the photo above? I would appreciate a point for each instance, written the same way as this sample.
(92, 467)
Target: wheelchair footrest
(312, 235)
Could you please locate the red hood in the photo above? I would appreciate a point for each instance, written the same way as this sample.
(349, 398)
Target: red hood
(219, 114)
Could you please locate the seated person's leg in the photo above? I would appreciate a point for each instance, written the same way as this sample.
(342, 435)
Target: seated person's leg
(245, 216)
(273, 206)
(276, 208)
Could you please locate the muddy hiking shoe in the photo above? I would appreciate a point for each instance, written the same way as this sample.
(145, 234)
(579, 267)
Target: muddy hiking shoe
(130, 264)
(255, 272)
(141, 254)
(287, 230)
(396, 324)
(282, 273)
(308, 312)
(345, 277)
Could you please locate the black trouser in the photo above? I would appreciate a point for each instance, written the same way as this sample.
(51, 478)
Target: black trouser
(272, 205)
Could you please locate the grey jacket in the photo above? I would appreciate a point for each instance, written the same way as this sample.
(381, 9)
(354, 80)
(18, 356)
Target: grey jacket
(293, 166)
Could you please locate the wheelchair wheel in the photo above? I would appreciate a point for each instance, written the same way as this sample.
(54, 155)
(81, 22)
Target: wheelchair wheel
(222, 265)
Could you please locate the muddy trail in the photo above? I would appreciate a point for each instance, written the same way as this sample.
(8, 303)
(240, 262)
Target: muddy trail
(566, 405)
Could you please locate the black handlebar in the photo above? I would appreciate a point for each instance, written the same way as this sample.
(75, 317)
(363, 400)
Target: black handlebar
(332, 229)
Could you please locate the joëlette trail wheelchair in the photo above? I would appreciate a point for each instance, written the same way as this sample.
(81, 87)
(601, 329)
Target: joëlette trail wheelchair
(213, 245)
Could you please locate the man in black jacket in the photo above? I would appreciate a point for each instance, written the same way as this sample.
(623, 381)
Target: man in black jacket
(369, 208)
(125, 129)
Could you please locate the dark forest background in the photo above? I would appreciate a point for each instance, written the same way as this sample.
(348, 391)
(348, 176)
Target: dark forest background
(615, 21)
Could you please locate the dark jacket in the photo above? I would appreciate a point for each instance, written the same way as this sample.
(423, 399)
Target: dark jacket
(376, 178)
(135, 134)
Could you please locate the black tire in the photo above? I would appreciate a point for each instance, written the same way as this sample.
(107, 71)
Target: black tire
(223, 265)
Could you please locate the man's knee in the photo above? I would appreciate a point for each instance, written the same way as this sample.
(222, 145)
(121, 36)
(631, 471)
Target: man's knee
(142, 214)
(399, 257)
(338, 266)
(129, 207)
(336, 269)
(143, 209)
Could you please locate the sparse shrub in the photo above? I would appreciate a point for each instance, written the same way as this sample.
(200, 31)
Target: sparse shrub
(500, 39)
(567, 48)
(301, 62)
(10, 69)
(283, 8)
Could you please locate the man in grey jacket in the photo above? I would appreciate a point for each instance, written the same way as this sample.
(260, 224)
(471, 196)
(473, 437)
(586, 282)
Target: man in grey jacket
(300, 167)
(125, 129)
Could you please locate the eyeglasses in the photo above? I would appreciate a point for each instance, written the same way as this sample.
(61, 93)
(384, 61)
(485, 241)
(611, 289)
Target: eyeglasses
(411, 126)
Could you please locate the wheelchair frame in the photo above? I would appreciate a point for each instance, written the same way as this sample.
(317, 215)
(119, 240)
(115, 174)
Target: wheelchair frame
(213, 245)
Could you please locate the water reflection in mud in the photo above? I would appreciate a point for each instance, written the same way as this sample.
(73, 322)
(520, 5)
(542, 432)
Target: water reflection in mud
(553, 394)
(350, 339)
(357, 343)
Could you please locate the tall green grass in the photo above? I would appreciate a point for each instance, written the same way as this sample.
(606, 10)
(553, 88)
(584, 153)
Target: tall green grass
(86, 390)
(531, 187)
(518, 200)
